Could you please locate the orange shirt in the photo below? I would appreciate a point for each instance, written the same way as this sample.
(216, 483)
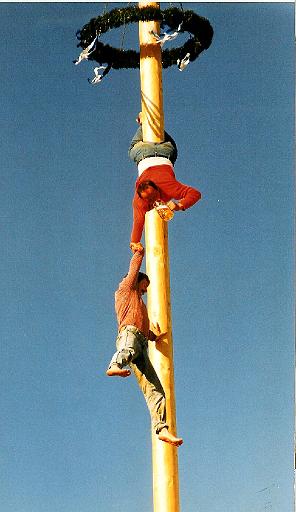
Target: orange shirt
(129, 305)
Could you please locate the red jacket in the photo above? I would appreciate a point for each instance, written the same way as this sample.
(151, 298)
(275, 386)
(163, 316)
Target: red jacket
(164, 177)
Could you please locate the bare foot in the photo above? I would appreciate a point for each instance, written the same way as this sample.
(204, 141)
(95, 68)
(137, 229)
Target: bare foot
(120, 372)
(167, 437)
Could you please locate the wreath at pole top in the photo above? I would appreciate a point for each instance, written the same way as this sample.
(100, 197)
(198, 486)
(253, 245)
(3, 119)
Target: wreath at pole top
(199, 29)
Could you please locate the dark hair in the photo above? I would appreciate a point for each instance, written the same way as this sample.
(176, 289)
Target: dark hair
(142, 276)
(144, 185)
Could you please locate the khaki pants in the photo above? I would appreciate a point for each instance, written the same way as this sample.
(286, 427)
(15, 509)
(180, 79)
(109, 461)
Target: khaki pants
(132, 351)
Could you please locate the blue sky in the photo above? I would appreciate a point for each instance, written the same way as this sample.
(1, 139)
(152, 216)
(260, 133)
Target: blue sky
(70, 438)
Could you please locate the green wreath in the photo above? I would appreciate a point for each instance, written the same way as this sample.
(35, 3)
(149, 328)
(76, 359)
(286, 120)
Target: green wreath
(199, 28)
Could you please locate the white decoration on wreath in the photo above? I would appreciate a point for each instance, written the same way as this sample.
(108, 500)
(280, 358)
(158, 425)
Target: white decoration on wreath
(183, 63)
(166, 36)
(98, 77)
(86, 52)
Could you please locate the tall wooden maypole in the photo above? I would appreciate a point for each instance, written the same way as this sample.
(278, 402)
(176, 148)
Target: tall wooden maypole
(164, 456)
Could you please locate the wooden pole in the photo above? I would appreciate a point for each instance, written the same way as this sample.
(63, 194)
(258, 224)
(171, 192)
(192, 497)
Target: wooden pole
(151, 80)
(164, 456)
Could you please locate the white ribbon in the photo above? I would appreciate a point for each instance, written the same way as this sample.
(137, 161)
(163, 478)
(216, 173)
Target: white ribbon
(166, 36)
(86, 52)
(183, 63)
(99, 77)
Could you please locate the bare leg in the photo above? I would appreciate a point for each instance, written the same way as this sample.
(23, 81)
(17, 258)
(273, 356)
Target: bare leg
(167, 437)
(116, 370)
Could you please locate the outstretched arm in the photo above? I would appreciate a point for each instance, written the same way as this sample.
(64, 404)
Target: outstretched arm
(130, 280)
(186, 196)
(139, 210)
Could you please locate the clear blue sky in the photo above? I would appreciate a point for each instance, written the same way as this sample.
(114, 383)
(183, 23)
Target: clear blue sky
(71, 439)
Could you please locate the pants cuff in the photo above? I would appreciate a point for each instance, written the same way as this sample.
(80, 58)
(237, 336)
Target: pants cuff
(114, 364)
(159, 427)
